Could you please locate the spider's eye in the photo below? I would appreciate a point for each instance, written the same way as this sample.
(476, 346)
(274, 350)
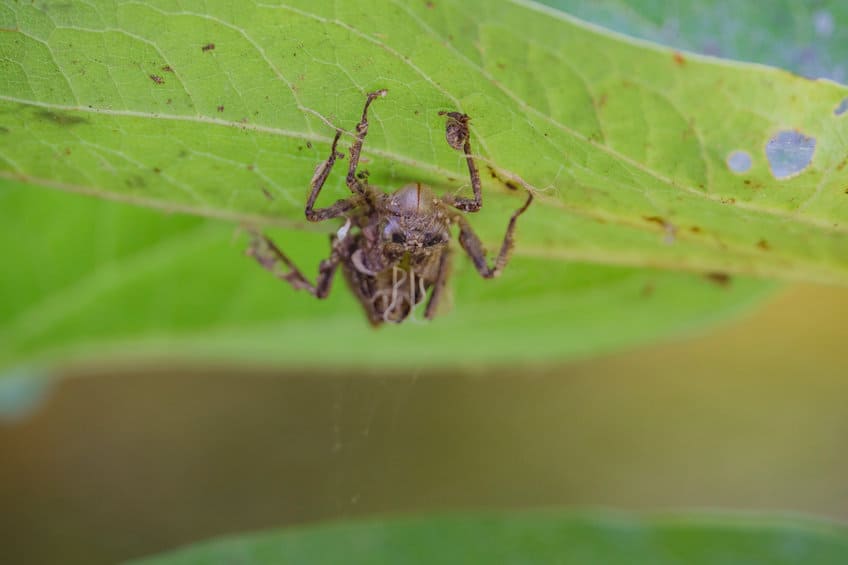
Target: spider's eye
(432, 239)
(398, 237)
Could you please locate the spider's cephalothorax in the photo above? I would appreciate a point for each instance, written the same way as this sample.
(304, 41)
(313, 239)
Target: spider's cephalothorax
(394, 248)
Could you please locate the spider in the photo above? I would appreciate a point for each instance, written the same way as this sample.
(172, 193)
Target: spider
(393, 248)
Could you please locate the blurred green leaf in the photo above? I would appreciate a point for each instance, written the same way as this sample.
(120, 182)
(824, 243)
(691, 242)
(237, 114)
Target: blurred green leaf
(528, 538)
(205, 106)
(93, 278)
(807, 37)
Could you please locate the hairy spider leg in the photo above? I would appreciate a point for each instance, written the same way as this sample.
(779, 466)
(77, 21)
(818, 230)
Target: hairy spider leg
(317, 183)
(323, 171)
(474, 248)
(356, 148)
(438, 285)
(269, 255)
(457, 132)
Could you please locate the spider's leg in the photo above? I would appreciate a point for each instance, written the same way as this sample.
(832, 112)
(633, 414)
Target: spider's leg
(458, 136)
(270, 256)
(317, 183)
(472, 245)
(439, 285)
(361, 131)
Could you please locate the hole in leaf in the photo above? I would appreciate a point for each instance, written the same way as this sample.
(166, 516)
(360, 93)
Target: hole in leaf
(842, 108)
(789, 153)
(739, 161)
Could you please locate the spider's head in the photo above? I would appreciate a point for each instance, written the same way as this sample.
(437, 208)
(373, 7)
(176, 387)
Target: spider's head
(414, 221)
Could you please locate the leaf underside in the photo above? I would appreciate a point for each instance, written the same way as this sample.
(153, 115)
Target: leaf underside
(206, 106)
(224, 112)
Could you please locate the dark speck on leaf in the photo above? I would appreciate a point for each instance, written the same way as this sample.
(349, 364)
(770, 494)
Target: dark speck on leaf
(167, 69)
(157, 79)
(764, 245)
(267, 194)
(208, 47)
(309, 144)
(60, 118)
(220, 108)
(721, 279)
(135, 181)
(679, 58)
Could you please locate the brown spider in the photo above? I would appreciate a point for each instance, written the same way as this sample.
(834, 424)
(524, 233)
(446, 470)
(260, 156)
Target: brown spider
(393, 248)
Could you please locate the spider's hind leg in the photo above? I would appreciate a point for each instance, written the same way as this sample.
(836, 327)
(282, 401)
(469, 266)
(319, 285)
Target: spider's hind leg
(270, 257)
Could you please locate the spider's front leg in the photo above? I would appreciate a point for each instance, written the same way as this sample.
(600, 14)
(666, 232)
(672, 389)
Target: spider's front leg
(458, 137)
(317, 183)
(269, 256)
(361, 131)
(474, 247)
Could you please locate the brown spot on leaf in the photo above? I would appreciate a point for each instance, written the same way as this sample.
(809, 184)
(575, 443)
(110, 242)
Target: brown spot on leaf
(648, 290)
(60, 118)
(250, 167)
(509, 183)
(208, 47)
(309, 145)
(221, 108)
(764, 245)
(669, 228)
(721, 279)
(695, 229)
(167, 69)
(157, 170)
(267, 194)
(679, 59)
(157, 79)
(602, 100)
(842, 164)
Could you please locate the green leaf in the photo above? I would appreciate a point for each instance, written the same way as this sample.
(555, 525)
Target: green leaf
(93, 279)
(529, 538)
(626, 144)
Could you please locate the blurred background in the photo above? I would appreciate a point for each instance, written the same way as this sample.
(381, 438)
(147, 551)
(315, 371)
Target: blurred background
(126, 461)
